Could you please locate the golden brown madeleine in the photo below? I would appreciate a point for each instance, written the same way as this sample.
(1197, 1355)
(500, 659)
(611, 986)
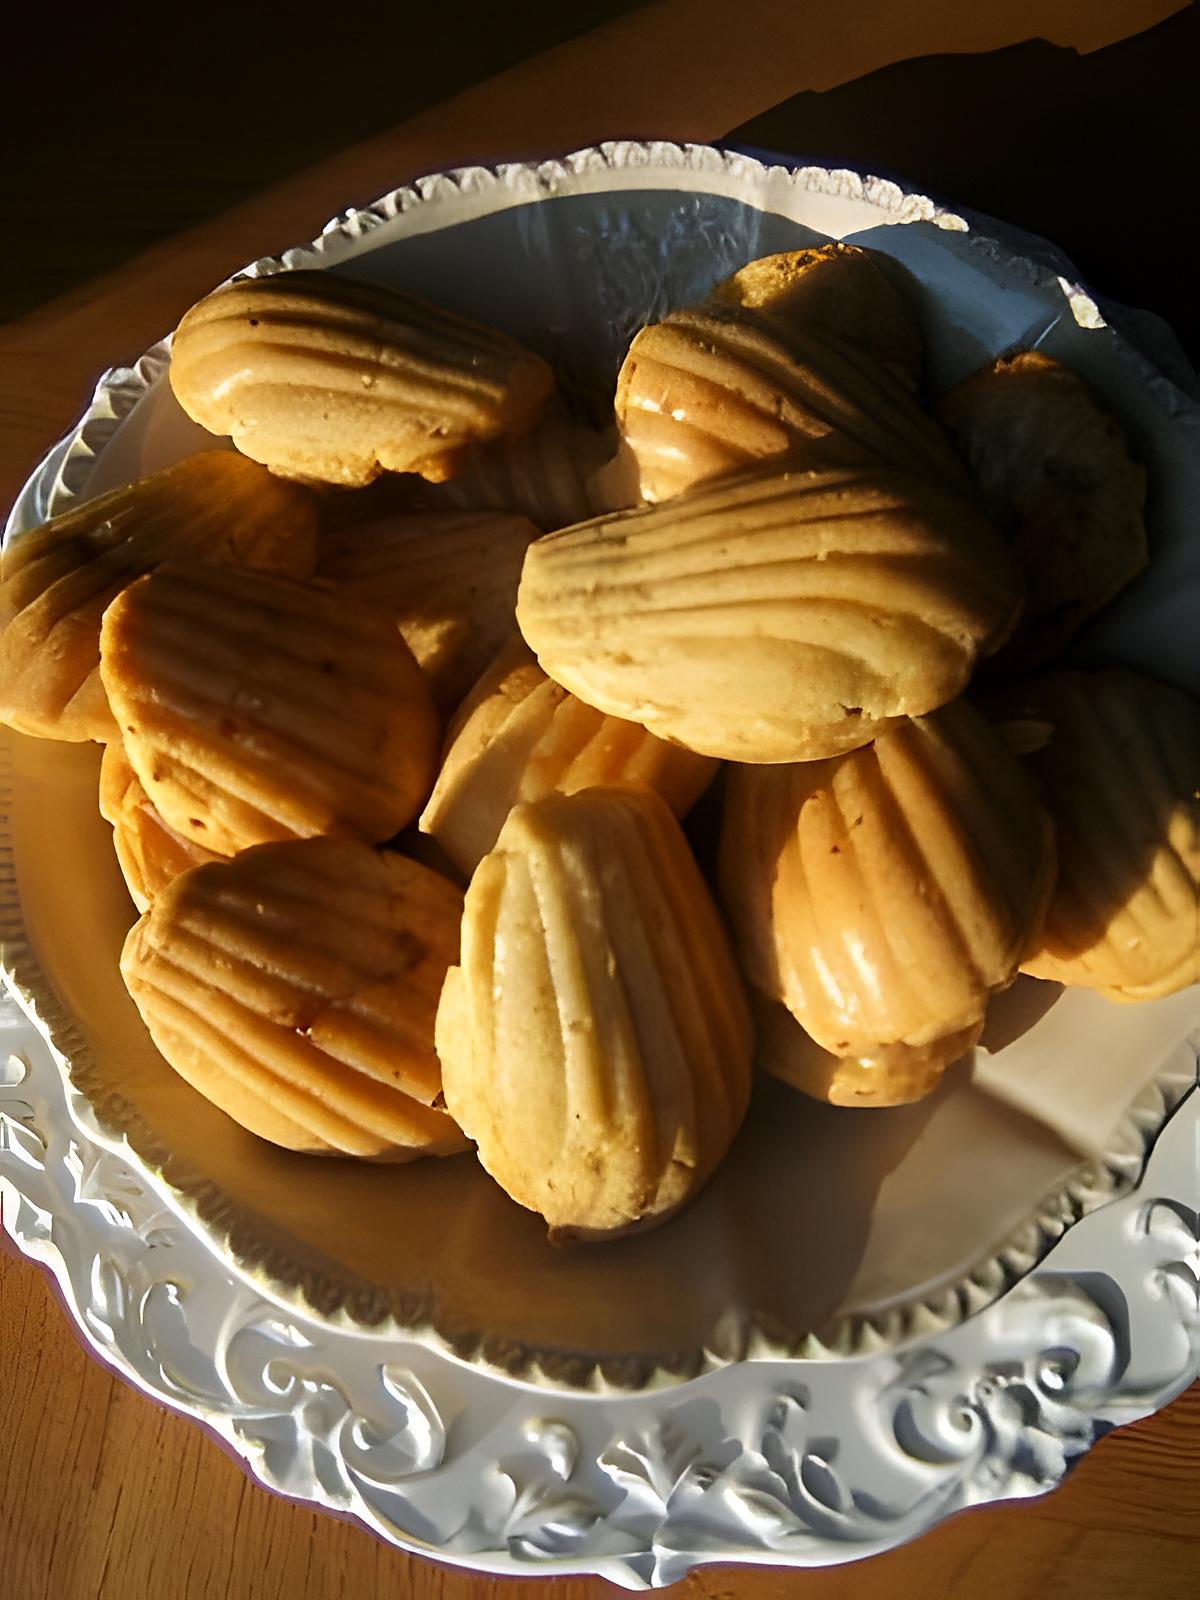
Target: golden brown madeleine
(520, 736)
(775, 359)
(296, 987)
(448, 577)
(782, 616)
(711, 390)
(1056, 475)
(856, 295)
(1120, 772)
(883, 895)
(322, 377)
(56, 580)
(562, 471)
(253, 709)
(149, 853)
(595, 1041)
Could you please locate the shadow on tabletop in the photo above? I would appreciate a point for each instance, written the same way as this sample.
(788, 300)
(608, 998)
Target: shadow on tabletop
(1039, 136)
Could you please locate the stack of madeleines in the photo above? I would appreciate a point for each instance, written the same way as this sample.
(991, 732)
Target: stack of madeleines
(540, 641)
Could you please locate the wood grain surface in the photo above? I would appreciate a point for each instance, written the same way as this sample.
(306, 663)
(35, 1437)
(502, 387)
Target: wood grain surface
(106, 1496)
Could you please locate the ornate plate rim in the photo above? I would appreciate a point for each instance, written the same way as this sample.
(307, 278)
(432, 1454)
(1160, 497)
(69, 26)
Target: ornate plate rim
(765, 1461)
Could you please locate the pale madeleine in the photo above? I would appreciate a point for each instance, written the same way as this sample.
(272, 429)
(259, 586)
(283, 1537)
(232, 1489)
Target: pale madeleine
(595, 1041)
(782, 615)
(519, 735)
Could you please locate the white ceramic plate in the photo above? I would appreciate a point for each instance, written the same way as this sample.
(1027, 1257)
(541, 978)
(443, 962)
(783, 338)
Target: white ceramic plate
(858, 1327)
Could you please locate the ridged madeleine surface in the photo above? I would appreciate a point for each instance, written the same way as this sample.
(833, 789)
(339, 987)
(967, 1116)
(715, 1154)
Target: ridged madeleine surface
(149, 853)
(883, 895)
(448, 577)
(1120, 772)
(1056, 475)
(321, 377)
(520, 736)
(562, 471)
(595, 1041)
(56, 580)
(760, 369)
(778, 617)
(253, 709)
(296, 987)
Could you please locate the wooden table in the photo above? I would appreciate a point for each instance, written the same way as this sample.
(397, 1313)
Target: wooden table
(104, 1496)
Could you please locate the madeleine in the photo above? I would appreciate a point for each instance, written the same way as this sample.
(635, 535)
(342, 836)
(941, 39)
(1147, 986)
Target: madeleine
(810, 345)
(855, 295)
(1120, 773)
(562, 471)
(781, 616)
(885, 894)
(255, 710)
(520, 736)
(1056, 476)
(320, 377)
(57, 580)
(149, 853)
(449, 578)
(296, 988)
(594, 1039)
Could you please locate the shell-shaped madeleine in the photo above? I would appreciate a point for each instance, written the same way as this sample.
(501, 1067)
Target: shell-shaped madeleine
(321, 377)
(448, 577)
(595, 1041)
(711, 390)
(253, 709)
(856, 295)
(1056, 475)
(296, 987)
(56, 580)
(883, 895)
(562, 471)
(520, 736)
(774, 359)
(1120, 773)
(149, 853)
(778, 617)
